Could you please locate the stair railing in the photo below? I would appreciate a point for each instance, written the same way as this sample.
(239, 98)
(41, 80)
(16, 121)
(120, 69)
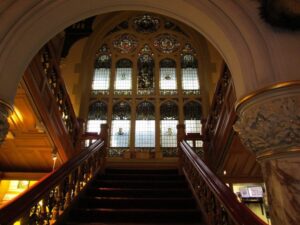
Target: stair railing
(45, 202)
(218, 203)
(45, 83)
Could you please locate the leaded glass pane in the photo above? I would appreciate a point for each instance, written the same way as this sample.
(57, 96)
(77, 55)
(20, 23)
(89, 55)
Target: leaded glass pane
(189, 71)
(145, 111)
(169, 111)
(192, 117)
(94, 125)
(190, 79)
(193, 126)
(120, 133)
(123, 79)
(145, 133)
(192, 110)
(168, 135)
(121, 111)
(97, 111)
(101, 79)
(145, 74)
(167, 78)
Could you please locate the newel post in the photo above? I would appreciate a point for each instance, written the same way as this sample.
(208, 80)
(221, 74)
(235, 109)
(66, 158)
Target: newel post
(104, 136)
(180, 137)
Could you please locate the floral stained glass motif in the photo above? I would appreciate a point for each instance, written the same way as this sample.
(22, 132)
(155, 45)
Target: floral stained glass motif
(125, 43)
(166, 43)
(146, 24)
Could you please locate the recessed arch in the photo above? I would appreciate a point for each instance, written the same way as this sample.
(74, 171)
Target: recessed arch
(245, 59)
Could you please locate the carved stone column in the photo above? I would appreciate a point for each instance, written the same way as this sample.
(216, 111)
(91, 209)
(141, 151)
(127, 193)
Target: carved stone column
(269, 125)
(5, 111)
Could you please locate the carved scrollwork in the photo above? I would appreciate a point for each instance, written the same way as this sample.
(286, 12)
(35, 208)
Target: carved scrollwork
(268, 124)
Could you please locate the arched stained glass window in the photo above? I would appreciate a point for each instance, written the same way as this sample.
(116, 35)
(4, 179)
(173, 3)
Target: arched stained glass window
(168, 123)
(167, 74)
(102, 69)
(189, 69)
(145, 125)
(97, 115)
(120, 127)
(192, 117)
(145, 74)
(123, 75)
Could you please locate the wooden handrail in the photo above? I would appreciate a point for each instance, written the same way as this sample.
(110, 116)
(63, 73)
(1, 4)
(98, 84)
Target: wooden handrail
(218, 127)
(60, 186)
(218, 201)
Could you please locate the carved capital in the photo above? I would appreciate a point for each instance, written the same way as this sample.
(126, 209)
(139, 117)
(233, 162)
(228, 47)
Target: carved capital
(5, 111)
(269, 123)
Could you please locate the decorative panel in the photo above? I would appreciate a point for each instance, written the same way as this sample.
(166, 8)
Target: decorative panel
(125, 43)
(166, 43)
(146, 24)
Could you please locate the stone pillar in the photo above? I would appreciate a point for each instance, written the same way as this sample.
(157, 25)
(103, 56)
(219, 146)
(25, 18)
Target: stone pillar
(5, 111)
(269, 125)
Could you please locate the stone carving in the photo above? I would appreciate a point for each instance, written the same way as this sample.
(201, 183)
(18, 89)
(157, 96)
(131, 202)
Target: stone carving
(272, 124)
(5, 110)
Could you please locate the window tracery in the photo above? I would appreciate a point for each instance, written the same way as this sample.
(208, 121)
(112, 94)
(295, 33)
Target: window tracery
(146, 64)
(166, 43)
(125, 43)
(146, 24)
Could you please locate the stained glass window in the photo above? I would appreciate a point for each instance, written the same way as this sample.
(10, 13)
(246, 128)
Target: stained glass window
(145, 74)
(102, 69)
(120, 127)
(192, 117)
(167, 74)
(145, 125)
(189, 69)
(97, 115)
(123, 75)
(168, 123)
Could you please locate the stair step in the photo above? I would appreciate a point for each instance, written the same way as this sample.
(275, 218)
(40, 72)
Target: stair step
(140, 177)
(139, 192)
(139, 183)
(136, 215)
(142, 203)
(139, 171)
(136, 197)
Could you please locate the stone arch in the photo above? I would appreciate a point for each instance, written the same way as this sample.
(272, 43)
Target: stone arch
(29, 25)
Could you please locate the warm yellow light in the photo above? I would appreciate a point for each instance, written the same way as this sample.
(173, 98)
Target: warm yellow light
(17, 116)
(17, 222)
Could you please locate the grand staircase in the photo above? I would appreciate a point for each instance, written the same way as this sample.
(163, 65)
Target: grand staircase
(136, 197)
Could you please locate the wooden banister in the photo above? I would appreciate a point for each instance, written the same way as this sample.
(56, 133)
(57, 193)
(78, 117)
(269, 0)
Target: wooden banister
(44, 202)
(44, 81)
(217, 130)
(218, 202)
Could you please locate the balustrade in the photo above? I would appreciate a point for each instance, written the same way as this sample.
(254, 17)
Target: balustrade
(218, 203)
(46, 201)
